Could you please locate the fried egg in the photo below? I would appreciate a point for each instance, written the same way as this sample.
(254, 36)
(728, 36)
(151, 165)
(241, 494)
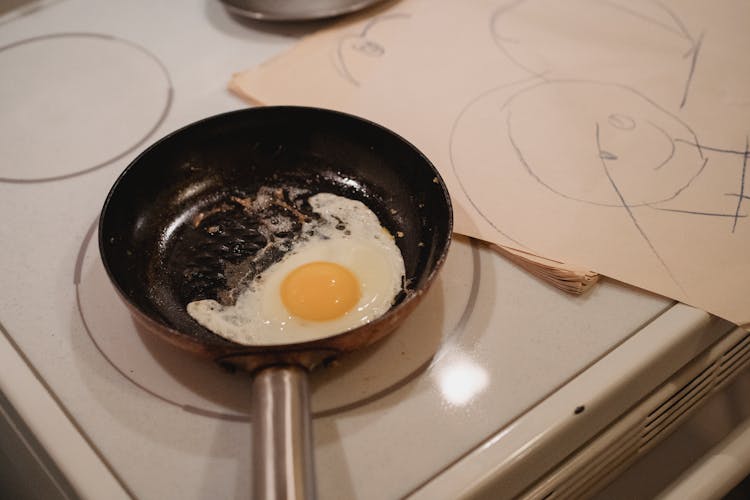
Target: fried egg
(344, 271)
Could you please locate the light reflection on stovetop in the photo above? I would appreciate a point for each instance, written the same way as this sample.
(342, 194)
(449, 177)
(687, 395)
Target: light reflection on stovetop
(201, 387)
(53, 102)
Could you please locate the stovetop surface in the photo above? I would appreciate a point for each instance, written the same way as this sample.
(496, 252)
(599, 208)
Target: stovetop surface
(87, 85)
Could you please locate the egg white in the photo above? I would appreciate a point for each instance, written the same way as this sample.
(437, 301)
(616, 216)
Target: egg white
(366, 249)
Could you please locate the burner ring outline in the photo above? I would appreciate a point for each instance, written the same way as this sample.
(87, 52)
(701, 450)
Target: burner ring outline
(450, 339)
(140, 142)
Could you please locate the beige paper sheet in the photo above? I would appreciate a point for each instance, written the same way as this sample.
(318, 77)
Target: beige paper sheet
(611, 134)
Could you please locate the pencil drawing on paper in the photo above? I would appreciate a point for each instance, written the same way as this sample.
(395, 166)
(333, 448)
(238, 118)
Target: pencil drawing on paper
(635, 141)
(521, 42)
(740, 156)
(353, 48)
(603, 144)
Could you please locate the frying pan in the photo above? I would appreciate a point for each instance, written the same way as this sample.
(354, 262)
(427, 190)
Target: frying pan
(159, 255)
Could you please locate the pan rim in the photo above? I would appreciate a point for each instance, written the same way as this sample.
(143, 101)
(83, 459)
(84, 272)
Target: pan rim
(234, 348)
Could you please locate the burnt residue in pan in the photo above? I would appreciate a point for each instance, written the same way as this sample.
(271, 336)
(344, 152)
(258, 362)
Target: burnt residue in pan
(232, 239)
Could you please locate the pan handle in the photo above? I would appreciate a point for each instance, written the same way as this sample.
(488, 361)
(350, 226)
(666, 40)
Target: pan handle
(283, 465)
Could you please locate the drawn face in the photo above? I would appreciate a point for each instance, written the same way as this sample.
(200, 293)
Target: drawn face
(600, 144)
(625, 143)
(357, 52)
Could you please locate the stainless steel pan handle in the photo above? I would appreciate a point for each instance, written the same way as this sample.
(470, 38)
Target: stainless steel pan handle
(283, 466)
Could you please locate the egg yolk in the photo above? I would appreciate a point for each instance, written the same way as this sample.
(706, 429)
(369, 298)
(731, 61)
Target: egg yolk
(320, 291)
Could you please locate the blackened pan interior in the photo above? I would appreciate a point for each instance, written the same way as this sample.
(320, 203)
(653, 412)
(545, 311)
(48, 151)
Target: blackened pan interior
(162, 190)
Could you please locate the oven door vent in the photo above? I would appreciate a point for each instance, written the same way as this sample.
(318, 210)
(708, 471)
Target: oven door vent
(609, 453)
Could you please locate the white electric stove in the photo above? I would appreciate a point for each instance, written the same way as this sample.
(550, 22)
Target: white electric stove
(498, 385)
